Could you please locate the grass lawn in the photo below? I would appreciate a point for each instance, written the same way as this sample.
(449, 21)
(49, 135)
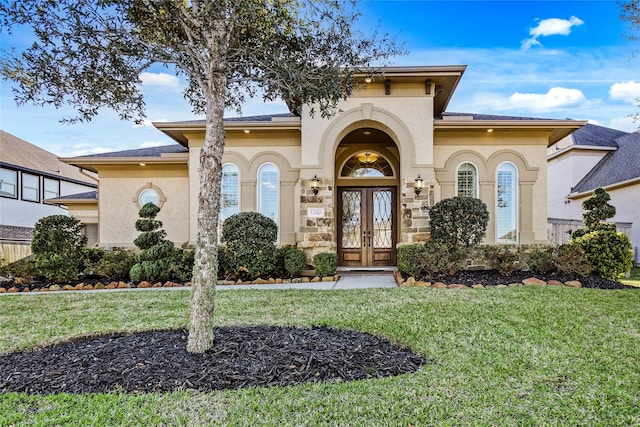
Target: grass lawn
(512, 356)
(634, 278)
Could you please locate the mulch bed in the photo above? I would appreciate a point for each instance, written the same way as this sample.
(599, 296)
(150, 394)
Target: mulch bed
(493, 278)
(242, 356)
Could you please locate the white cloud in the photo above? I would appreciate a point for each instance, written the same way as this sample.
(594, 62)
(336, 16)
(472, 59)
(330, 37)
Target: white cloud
(555, 98)
(159, 79)
(627, 124)
(550, 27)
(626, 91)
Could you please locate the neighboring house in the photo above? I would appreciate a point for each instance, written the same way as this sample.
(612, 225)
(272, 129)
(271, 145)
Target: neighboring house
(378, 167)
(29, 178)
(592, 157)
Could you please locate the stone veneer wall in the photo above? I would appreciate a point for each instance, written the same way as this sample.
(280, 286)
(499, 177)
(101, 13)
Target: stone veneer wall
(316, 232)
(414, 213)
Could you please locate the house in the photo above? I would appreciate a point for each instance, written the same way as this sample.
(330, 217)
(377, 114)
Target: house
(359, 184)
(592, 157)
(29, 178)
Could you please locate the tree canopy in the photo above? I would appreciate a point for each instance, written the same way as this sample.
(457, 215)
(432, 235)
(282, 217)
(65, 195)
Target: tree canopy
(89, 54)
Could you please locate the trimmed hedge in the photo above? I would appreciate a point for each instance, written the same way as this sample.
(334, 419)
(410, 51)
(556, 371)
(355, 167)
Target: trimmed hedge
(459, 222)
(609, 253)
(326, 263)
(59, 247)
(250, 239)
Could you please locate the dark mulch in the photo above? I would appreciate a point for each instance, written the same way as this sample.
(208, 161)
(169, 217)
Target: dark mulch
(248, 356)
(493, 278)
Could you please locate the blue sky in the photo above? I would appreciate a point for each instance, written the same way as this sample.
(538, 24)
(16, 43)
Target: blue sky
(555, 59)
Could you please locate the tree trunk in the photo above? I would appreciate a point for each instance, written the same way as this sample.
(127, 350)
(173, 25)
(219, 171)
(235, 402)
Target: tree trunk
(205, 270)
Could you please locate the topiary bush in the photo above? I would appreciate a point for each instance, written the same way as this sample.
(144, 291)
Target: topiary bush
(58, 246)
(609, 253)
(326, 263)
(250, 238)
(597, 210)
(154, 259)
(459, 222)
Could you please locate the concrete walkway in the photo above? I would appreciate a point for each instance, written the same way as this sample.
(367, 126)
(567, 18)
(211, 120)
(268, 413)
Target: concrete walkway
(359, 281)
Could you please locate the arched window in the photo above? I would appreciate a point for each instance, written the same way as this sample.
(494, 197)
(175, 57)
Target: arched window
(229, 191)
(506, 203)
(467, 180)
(268, 191)
(367, 165)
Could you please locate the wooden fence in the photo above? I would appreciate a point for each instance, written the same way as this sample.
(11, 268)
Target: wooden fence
(559, 230)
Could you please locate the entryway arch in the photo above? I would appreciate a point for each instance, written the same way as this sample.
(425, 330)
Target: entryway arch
(367, 171)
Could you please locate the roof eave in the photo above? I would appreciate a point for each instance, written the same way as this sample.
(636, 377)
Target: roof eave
(177, 130)
(609, 187)
(559, 128)
(90, 163)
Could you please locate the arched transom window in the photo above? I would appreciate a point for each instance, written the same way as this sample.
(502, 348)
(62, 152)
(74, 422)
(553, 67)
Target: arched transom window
(366, 165)
(507, 203)
(467, 180)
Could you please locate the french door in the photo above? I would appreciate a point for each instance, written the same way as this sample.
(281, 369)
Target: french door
(366, 226)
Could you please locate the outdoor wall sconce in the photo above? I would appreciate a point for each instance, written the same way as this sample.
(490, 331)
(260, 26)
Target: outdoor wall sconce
(418, 185)
(315, 183)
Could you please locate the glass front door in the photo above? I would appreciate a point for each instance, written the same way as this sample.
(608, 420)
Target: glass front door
(366, 229)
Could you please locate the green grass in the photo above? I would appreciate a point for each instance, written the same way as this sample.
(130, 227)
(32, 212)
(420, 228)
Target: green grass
(514, 356)
(634, 278)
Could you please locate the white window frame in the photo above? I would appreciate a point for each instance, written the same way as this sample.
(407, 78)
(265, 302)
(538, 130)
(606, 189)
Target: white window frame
(220, 217)
(477, 189)
(260, 193)
(515, 208)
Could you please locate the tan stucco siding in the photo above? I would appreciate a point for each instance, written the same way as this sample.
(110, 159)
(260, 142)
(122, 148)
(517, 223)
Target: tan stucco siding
(118, 190)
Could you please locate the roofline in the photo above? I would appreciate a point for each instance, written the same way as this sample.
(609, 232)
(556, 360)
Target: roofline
(613, 186)
(176, 130)
(561, 128)
(51, 175)
(580, 148)
(63, 201)
(89, 162)
(413, 70)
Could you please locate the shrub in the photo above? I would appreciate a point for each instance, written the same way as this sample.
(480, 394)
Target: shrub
(181, 264)
(58, 245)
(570, 259)
(290, 261)
(542, 260)
(609, 253)
(115, 265)
(410, 260)
(503, 258)
(225, 267)
(326, 263)
(154, 259)
(24, 268)
(459, 221)
(250, 239)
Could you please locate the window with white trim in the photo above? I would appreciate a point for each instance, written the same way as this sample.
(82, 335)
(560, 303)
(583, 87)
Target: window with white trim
(507, 203)
(268, 191)
(30, 187)
(8, 183)
(467, 180)
(229, 192)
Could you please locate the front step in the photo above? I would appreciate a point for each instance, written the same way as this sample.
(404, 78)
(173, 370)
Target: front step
(364, 271)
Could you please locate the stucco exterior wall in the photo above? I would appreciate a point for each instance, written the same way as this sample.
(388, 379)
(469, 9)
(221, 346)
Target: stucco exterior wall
(487, 151)
(564, 171)
(119, 188)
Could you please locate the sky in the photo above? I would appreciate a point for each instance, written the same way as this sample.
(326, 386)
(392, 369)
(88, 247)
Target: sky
(548, 59)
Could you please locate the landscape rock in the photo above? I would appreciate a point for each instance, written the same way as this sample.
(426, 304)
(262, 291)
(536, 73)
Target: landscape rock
(68, 288)
(477, 286)
(573, 284)
(260, 281)
(423, 284)
(144, 284)
(327, 279)
(3, 290)
(554, 282)
(271, 280)
(99, 285)
(88, 287)
(315, 279)
(54, 287)
(157, 285)
(122, 285)
(501, 286)
(411, 281)
(305, 280)
(456, 286)
(439, 285)
(533, 281)
(111, 285)
(79, 287)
